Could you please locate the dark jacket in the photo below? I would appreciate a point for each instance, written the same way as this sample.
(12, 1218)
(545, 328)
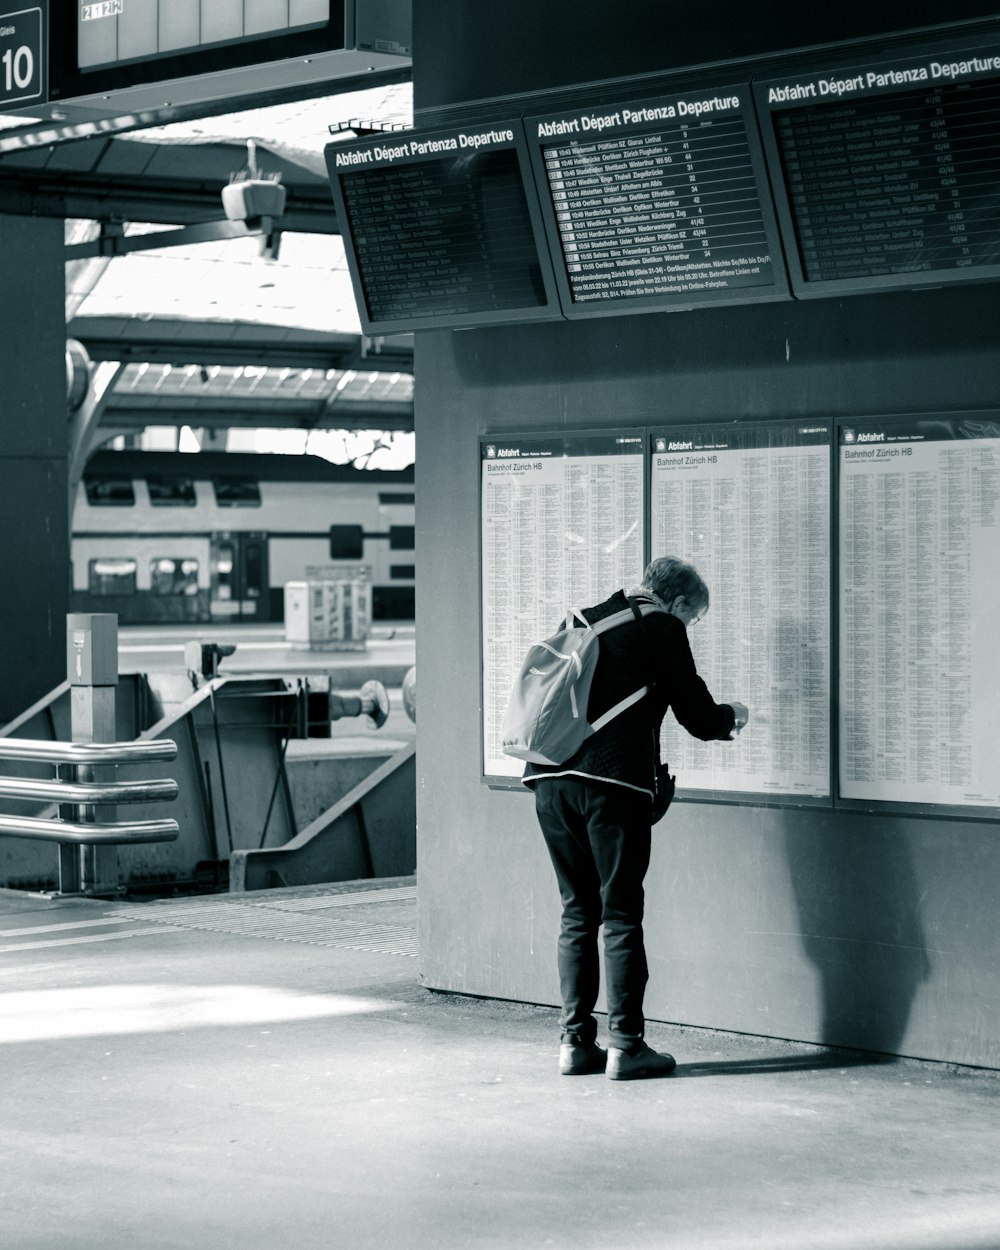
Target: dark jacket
(653, 652)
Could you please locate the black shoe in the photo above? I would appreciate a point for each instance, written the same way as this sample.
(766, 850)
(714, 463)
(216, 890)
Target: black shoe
(623, 1066)
(580, 1060)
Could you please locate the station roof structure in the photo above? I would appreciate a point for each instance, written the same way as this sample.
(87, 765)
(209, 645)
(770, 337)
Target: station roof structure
(215, 333)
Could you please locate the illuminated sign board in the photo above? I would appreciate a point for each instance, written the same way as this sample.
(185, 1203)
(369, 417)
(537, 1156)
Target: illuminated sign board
(657, 204)
(442, 228)
(888, 175)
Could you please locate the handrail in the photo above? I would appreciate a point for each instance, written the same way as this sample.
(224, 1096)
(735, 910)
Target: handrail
(72, 832)
(88, 791)
(86, 752)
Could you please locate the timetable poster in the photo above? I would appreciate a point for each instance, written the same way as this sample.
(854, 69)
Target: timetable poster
(890, 172)
(920, 611)
(441, 228)
(562, 527)
(657, 204)
(749, 506)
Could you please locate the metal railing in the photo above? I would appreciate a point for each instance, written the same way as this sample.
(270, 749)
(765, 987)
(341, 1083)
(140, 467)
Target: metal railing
(78, 831)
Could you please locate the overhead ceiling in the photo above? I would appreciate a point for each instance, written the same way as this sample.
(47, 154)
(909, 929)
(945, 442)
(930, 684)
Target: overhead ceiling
(220, 304)
(258, 396)
(175, 173)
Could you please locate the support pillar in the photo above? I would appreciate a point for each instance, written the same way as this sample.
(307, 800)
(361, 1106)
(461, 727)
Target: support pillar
(34, 536)
(92, 671)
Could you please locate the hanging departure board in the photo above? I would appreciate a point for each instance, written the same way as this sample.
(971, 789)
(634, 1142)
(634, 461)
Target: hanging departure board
(442, 229)
(562, 527)
(657, 204)
(919, 536)
(888, 175)
(112, 31)
(749, 506)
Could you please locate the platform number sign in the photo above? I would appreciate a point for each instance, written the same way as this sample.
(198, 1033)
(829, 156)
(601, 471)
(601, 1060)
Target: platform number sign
(22, 56)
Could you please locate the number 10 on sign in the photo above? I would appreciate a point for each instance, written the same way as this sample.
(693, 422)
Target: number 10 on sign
(20, 56)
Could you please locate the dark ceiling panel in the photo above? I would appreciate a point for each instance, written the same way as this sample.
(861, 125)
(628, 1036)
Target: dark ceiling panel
(81, 158)
(36, 159)
(169, 341)
(121, 157)
(124, 413)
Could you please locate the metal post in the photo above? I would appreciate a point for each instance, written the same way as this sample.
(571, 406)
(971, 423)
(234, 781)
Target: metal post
(92, 669)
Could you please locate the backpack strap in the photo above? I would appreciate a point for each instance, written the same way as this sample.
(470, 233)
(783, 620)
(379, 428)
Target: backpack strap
(633, 612)
(618, 708)
(640, 610)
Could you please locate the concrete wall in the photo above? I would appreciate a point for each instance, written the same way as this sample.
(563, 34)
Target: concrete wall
(853, 929)
(34, 535)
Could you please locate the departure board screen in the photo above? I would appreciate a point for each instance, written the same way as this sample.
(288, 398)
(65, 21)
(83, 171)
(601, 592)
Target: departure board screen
(563, 521)
(890, 173)
(748, 505)
(919, 538)
(112, 31)
(658, 204)
(442, 229)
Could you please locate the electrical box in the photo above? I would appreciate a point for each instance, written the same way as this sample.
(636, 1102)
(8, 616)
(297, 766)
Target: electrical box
(328, 614)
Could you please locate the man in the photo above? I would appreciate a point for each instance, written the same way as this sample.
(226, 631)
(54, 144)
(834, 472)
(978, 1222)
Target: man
(595, 809)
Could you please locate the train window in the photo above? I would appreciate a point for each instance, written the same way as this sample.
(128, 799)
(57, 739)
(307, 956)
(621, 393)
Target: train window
(223, 567)
(112, 577)
(109, 492)
(253, 568)
(401, 538)
(347, 542)
(236, 492)
(173, 576)
(171, 492)
(402, 572)
(389, 497)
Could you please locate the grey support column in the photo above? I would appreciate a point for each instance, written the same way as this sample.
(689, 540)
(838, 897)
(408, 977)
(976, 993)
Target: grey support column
(92, 672)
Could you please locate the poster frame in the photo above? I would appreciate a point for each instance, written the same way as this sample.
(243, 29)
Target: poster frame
(834, 802)
(769, 798)
(978, 813)
(548, 434)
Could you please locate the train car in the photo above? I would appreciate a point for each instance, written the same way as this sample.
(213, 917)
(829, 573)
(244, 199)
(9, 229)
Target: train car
(212, 537)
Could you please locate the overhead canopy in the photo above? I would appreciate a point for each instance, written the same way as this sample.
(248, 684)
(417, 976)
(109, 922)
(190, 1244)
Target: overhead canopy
(221, 306)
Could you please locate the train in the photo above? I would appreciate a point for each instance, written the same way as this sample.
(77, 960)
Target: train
(213, 537)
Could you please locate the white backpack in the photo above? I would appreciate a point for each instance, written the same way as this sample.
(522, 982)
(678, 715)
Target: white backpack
(546, 720)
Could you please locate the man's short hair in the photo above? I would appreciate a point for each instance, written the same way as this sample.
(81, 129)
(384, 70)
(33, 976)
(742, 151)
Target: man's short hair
(669, 577)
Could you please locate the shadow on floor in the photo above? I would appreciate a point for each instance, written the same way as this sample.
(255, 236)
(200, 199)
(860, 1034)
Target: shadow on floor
(783, 1063)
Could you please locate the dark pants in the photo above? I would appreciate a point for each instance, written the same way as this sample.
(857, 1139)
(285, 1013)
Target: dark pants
(599, 839)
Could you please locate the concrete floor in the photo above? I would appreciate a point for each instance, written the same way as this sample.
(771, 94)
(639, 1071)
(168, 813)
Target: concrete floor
(239, 1073)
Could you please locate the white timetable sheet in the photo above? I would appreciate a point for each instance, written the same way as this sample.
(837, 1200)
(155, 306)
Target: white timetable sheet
(749, 506)
(920, 612)
(562, 527)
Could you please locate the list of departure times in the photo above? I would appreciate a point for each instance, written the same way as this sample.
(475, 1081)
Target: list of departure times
(920, 612)
(657, 203)
(440, 228)
(749, 507)
(895, 183)
(562, 527)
